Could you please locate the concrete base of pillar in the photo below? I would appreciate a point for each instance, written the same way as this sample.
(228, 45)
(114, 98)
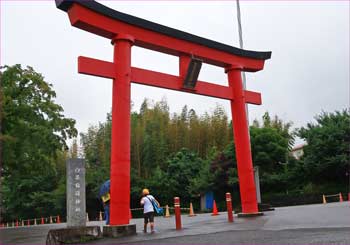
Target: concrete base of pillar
(119, 230)
(247, 215)
(80, 234)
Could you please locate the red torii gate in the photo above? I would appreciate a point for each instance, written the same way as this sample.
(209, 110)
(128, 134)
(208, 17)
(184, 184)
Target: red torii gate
(125, 31)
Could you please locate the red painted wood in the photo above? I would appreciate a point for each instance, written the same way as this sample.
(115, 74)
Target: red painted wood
(252, 97)
(120, 145)
(184, 61)
(105, 69)
(90, 21)
(242, 143)
(96, 67)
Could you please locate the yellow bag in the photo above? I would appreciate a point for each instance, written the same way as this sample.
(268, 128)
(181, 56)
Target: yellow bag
(106, 197)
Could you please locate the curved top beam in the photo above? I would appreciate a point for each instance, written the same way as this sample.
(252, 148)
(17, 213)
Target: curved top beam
(152, 26)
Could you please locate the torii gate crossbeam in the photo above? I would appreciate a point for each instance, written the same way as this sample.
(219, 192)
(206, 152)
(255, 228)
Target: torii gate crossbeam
(125, 31)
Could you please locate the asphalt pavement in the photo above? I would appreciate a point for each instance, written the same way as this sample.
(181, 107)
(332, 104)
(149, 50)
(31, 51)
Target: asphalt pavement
(309, 224)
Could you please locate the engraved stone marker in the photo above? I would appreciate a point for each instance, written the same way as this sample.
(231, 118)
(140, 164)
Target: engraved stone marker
(257, 183)
(76, 205)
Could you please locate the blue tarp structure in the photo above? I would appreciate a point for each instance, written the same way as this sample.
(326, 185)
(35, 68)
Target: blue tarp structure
(209, 199)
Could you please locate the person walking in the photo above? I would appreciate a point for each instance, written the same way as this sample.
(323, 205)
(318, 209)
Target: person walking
(148, 210)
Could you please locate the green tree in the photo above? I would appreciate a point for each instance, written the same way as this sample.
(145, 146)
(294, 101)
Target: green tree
(269, 148)
(33, 136)
(203, 181)
(327, 153)
(156, 137)
(283, 128)
(183, 167)
(219, 128)
(73, 151)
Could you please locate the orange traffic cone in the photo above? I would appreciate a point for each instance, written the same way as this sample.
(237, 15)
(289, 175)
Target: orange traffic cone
(324, 199)
(191, 211)
(215, 210)
(101, 216)
(167, 213)
(340, 197)
(58, 219)
(42, 221)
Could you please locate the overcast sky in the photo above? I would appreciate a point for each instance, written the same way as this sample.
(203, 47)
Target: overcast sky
(308, 71)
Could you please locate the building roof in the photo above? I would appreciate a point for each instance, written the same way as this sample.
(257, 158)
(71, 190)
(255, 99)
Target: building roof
(298, 147)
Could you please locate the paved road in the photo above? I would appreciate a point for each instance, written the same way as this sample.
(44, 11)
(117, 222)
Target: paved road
(295, 236)
(313, 224)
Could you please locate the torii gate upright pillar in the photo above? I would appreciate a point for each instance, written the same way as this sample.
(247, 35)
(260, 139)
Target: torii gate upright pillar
(120, 142)
(242, 143)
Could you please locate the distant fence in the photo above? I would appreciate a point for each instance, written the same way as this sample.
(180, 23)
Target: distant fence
(95, 216)
(278, 200)
(30, 222)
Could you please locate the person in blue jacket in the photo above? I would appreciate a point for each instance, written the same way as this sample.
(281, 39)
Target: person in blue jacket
(106, 197)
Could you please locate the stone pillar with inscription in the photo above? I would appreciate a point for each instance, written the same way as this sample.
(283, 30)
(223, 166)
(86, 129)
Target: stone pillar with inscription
(76, 204)
(257, 183)
(76, 231)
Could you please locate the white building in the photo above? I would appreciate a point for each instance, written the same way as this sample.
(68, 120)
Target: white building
(297, 152)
